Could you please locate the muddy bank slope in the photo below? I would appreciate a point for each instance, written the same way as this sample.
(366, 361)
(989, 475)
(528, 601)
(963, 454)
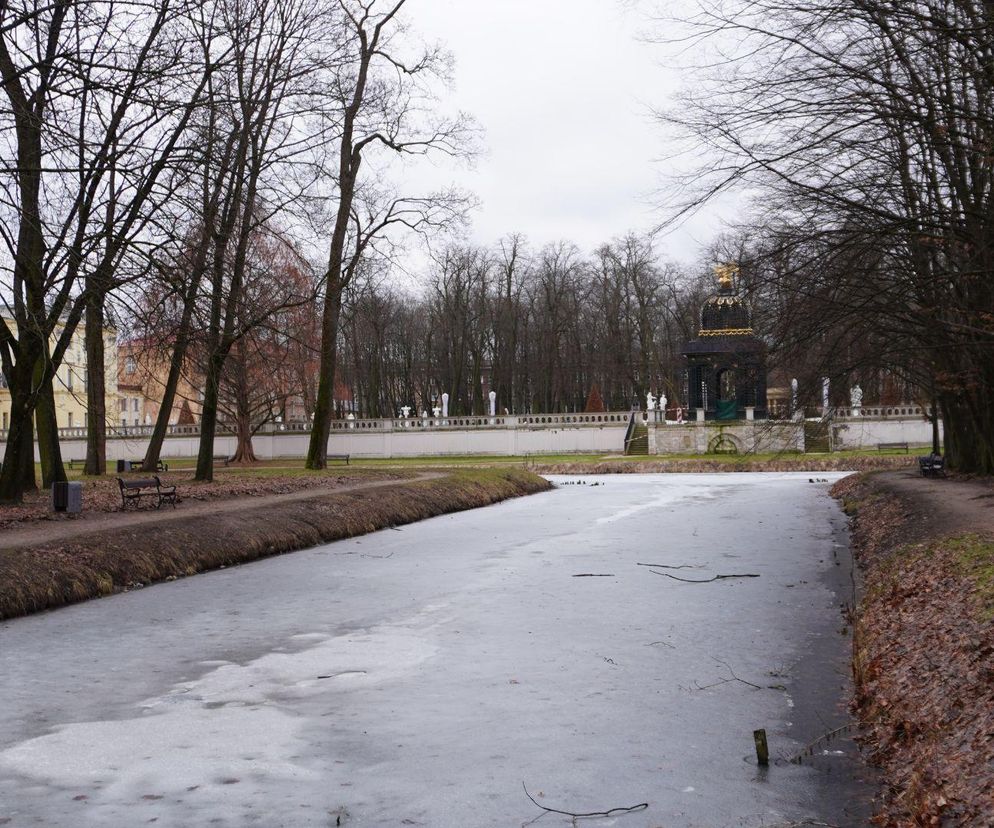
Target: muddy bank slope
(923, 647)
(44, 576)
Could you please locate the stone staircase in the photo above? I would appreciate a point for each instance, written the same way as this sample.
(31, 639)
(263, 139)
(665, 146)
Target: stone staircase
(816, 440)
(639, 442)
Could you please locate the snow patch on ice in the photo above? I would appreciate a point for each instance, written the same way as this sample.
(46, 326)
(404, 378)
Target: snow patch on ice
(229, 726)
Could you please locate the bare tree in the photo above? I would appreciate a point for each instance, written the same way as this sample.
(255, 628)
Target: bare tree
(99, 96)
(866, 126)
(382, 98)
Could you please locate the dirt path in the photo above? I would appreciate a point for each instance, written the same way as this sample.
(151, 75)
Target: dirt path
(75, 528)
(943, 506)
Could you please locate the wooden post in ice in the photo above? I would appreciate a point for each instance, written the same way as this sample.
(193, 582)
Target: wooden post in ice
(762, 749)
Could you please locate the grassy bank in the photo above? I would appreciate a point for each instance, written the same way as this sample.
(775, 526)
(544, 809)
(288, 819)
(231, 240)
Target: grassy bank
(842, 461)
(100, 563)
(923, 660)
(863, 459)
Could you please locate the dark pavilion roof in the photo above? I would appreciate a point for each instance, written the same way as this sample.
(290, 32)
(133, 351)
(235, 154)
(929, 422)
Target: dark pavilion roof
(725, 313)
(726, 321)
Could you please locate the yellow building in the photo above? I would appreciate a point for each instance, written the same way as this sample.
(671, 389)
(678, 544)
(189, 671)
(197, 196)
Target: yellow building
(69, 385)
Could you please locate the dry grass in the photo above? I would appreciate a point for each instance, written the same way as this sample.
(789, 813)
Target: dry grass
(100, 563)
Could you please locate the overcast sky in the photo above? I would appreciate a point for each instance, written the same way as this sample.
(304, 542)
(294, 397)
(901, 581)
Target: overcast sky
(563, 90)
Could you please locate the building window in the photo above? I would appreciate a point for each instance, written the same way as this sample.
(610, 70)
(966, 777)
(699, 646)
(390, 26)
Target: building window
(134, 405)
(129, 365)
(124, 422)
(70, 419)
(4, 420)
(69, 378)
(124, 404)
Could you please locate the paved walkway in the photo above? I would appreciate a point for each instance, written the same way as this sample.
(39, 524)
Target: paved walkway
(69, 528)
(944, 505)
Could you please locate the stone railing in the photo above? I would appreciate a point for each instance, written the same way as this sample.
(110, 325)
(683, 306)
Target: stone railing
(901, 410)
(502, 421)
(505, 421)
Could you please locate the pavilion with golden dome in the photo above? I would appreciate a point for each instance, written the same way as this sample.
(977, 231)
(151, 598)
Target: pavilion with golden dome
(725, 374)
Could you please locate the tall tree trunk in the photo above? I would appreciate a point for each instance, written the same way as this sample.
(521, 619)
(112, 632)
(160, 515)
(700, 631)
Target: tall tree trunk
(244, 453)
(14, 480)
(936, 445)
(96, 385)
(238, 369)
(27, 459)
(49, 450)
(152, 454)
(317, 451)
(208, 419)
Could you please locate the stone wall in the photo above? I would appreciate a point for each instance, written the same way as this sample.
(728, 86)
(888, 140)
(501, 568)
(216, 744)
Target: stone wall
(413, 437)
(515, 436)
(744, 437)
(868, 432)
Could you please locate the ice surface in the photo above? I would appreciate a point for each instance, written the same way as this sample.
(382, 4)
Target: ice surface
(424, 675)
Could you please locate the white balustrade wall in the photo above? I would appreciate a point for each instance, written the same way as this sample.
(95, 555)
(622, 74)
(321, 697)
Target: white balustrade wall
(868, 432)
(511, 435)
(412, 437)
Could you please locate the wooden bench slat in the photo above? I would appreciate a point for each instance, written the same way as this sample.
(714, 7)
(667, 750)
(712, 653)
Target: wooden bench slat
(132, 491)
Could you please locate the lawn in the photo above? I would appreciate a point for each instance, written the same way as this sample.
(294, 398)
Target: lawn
(293, 467)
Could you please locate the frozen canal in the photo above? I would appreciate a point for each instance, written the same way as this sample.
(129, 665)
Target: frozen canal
(421, 676)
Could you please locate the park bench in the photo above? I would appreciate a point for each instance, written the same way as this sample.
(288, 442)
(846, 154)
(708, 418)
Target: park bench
(932, 465)
(893, 447)
(132, 491)
(159, 465)
(221, 458)
(72, 463)
(344, 457)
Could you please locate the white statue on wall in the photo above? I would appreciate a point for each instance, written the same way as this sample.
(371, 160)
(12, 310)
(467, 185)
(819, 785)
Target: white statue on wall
(856, 398)
(650, 401)
(436, 411)
(662, 406)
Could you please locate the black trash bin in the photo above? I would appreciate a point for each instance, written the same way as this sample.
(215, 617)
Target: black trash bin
(60, 496)
(67, 497)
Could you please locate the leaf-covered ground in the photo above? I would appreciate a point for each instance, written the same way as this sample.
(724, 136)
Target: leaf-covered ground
(924, 650)
(102, 495)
